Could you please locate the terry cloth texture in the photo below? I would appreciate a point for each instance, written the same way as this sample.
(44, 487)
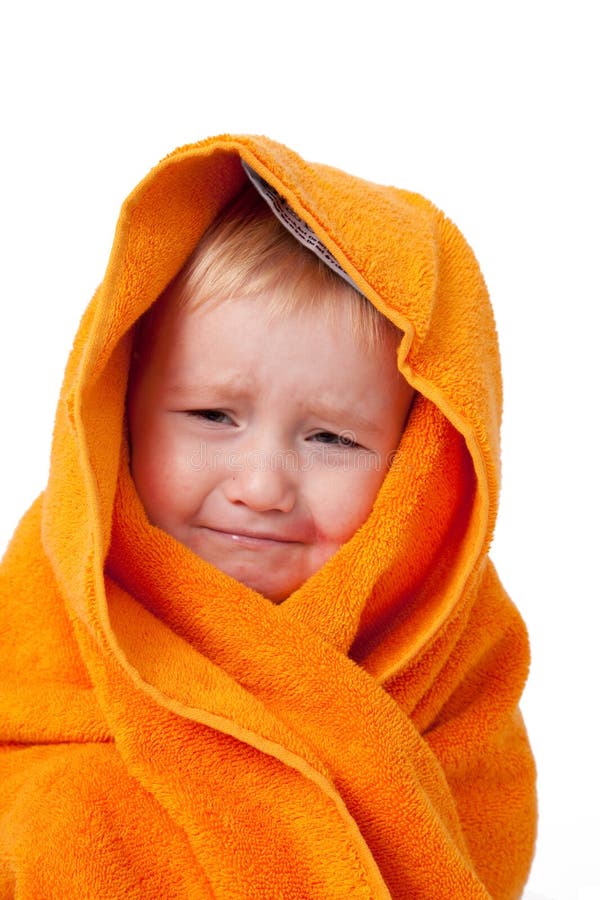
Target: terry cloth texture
(168, 732)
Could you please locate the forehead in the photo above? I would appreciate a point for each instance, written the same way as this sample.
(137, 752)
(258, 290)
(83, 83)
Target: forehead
(287, 369)
(252, 332)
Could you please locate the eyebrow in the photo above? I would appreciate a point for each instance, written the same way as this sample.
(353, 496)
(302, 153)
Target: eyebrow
(232, 386)
(342, 417)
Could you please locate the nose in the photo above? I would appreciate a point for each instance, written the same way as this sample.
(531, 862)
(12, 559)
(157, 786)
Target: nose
(264, 482)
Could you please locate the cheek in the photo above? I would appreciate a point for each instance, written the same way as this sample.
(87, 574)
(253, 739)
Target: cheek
(164, 472)
(342, 503)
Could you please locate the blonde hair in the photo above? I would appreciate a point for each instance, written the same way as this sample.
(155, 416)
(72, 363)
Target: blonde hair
(247, 252)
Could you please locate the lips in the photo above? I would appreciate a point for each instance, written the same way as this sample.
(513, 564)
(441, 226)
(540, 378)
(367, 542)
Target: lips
(250, 538)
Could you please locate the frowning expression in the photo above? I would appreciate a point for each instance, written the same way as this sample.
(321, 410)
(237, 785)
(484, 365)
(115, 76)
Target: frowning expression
(261, 443)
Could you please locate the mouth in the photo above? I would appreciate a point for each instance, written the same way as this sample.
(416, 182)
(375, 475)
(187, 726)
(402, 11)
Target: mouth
(252, 539)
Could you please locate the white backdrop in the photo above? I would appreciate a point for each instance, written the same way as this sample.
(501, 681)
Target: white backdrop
(491, 110)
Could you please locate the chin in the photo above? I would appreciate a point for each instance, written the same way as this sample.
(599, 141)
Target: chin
(275, 592)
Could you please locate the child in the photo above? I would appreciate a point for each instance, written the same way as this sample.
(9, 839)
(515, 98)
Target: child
(255, 647)
(275, 448)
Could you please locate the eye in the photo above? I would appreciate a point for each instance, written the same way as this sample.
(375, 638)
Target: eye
(210, 415)
(345, 439)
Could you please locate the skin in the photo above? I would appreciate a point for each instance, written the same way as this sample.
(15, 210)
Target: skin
(261, 443)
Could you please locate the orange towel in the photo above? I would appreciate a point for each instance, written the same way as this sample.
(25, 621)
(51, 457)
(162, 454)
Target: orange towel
(169, 733)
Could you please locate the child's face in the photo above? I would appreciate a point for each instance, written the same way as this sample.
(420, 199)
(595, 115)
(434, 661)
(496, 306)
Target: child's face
(261, 443)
